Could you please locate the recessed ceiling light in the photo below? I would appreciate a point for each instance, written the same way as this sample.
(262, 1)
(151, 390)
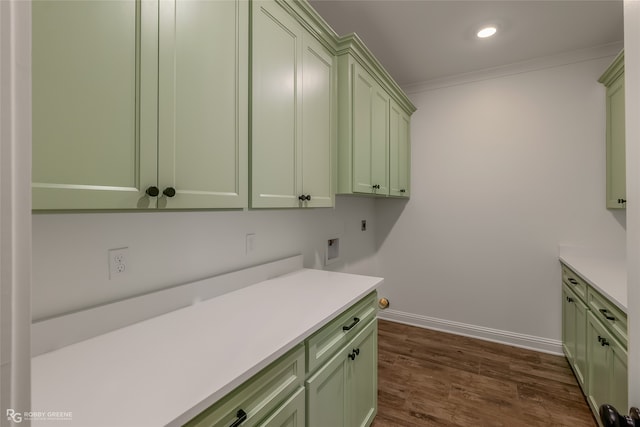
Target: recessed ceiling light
(486, 32)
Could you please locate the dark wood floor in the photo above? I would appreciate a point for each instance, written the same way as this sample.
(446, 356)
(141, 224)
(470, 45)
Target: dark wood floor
(429, 378)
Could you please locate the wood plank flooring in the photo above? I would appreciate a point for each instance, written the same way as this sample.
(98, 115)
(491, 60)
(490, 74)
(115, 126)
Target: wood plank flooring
(430, 378)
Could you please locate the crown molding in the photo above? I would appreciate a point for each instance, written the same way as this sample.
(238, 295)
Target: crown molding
(566, 58)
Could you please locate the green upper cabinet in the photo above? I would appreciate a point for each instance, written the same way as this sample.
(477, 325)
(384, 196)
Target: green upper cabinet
(94, 117)
(293, 113)
(370, 133)
(373, 125)
(613, 79)
(203, 103)
(399, 151)
(136, 96)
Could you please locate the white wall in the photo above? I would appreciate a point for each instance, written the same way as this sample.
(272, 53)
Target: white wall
(503, 170)
(70, 262)
(632, 110)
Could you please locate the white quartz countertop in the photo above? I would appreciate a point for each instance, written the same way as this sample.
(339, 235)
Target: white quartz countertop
(166, 370)
(606, 272)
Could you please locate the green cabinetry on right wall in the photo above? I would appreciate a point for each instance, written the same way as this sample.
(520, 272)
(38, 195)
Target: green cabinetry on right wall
(613, 79)
(594, 340)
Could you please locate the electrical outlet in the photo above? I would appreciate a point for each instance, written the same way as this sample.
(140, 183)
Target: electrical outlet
(118, 262)
(250, 243)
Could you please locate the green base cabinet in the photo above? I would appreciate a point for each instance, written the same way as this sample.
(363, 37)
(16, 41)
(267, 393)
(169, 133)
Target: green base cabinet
(343, 392)
(594, 340)
(293, 113)
(574, 333)
(133, 96)
(607, 367)
(338, 388)
(613, 79)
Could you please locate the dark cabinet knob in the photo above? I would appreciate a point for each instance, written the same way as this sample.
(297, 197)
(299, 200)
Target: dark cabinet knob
(402, 190)
(308, 197)
(376, 186)
(169, 192)
(621, 201)
(302, 198)
(152, 191)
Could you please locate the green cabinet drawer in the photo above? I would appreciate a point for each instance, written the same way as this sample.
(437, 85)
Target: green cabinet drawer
(328, 340)
(259, 396)
(574, 282)
(610, 315)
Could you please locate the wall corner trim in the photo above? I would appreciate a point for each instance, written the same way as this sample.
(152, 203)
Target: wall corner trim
(530, 342)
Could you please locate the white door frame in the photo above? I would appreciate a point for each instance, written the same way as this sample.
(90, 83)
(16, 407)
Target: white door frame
(15, 210)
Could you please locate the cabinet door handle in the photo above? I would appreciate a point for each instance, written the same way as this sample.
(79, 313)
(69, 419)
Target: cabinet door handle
(604, 342)
(242, 417)
(152, 191)
(356, 351)
(402, 190)
(599, 338)
(569, 299)
(621, 201)
(604, 312)
(354, 323)
(572, 281)
(308, 197)
(352, 356)
(376, 186)
(169, 192)
(302, 197)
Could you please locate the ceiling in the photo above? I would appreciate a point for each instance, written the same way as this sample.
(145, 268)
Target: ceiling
(423, 40)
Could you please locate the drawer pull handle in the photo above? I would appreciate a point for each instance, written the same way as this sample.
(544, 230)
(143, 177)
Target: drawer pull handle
(606, 316)
(604, 342)
(569, 299)
(354, 323)
(242, 417)
(572, 281)
(354, 353)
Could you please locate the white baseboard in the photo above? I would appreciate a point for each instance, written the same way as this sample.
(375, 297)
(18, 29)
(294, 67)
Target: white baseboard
(530, 342)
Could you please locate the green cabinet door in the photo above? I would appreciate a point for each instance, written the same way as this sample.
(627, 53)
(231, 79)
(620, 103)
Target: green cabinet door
(613, 80)
(94, 103)
(318, 123)
(326, 393)
(293, 113)
(276, 175)
(370, 134)
(574, 336)
(362, 374)
(616, 157)
(399, 151)
(598, 370)
(203, 103)
(618, 381)
(344, 392)
(607, 376)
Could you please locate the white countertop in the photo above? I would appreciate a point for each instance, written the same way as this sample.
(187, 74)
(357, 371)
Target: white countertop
(166, 370)
(605, 271)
